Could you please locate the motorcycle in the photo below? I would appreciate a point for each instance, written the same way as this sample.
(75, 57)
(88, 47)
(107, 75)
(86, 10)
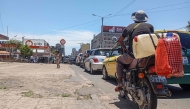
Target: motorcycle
(141, 84)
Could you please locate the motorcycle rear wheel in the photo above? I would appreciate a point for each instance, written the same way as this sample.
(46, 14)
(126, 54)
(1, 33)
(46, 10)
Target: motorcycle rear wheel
(151, 97)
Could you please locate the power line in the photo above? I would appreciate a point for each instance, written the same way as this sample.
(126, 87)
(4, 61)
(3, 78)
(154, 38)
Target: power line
(157, 11)
(180, 28)
(155, 8)
(167, 5)
(125, 7)
(91, 25)
(74, 26)
(2, 24)
(122, 10)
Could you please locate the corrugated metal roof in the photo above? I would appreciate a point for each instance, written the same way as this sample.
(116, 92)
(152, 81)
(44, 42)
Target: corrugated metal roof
(3, 37)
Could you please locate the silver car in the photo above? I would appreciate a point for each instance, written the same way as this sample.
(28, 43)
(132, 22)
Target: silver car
(66, 59)
(95, 60)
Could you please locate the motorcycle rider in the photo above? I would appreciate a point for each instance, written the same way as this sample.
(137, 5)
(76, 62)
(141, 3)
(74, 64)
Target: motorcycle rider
(138, 27)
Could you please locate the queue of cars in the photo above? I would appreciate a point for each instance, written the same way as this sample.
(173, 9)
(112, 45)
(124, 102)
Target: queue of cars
(92, 60)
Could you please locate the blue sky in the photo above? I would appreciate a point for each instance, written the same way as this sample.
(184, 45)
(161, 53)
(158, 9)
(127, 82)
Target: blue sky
(73, 20)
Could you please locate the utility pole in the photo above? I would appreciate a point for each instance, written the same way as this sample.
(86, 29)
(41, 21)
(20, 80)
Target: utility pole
(101, 39)
(6, 44)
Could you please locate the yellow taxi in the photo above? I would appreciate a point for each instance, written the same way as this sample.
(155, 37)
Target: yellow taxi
(109, 64)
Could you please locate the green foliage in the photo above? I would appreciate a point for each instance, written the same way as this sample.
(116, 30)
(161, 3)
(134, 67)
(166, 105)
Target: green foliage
(25, 50)
(65, 95)
(14, 42)
(30, 93)
(188, 26)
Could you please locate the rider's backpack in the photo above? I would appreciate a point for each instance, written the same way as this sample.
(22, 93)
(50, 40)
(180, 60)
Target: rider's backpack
(168, 56)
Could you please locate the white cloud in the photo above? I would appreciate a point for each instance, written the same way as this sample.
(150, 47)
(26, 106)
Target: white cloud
(72, 38)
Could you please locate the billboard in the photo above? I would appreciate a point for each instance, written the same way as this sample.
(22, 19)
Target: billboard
(34, 42)
(113, 29)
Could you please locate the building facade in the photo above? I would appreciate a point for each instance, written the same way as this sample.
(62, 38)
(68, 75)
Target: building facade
(40, 47)
(84, 47)
(106, 40)
(74, 52)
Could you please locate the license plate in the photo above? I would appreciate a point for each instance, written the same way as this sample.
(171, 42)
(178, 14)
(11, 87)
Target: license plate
(156, 78)
(185, 61)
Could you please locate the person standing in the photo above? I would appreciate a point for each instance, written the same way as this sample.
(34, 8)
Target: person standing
(57, 57)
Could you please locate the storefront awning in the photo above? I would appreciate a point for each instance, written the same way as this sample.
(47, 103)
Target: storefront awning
(4, 53)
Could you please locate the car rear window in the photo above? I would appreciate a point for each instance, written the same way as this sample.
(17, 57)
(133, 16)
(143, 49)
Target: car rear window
(101, 52)
(88, 51)
(184, 38)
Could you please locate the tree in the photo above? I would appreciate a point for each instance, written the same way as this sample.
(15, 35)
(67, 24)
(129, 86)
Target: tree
(13, 45)
(25, 50)
(188, 26)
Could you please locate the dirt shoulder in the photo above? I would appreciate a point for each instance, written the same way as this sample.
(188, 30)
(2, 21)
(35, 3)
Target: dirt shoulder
(42, 81)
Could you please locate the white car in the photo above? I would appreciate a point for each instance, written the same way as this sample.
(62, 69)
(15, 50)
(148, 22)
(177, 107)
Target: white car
(95, 60)
(79, 56)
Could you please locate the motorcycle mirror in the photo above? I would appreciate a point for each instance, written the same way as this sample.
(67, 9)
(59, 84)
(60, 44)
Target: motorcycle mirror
(114, 39)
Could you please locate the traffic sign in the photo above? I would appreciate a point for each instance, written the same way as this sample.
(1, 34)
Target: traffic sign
(62, 41)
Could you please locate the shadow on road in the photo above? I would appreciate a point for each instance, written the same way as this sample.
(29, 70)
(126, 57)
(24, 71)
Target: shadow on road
(111, 80)
(177, 92)
(125, 104)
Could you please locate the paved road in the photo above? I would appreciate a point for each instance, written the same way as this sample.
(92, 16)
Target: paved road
(179, 100)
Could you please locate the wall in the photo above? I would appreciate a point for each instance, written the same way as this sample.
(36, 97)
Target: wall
(85, 47)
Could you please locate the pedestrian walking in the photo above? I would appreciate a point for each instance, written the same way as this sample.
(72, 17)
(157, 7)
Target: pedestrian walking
(57, 56)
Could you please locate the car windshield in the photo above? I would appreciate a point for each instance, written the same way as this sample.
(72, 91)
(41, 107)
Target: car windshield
(102, 52)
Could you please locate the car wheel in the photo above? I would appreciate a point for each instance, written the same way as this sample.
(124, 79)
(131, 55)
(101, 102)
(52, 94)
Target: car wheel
(185, 87)
(85, 69)
(91, 70)
(104, 73)
(81, 65)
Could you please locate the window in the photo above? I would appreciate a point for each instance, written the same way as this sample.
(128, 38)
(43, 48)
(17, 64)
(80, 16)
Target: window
(101, 52)
(92, 52)
(115, 53)
(184, 39)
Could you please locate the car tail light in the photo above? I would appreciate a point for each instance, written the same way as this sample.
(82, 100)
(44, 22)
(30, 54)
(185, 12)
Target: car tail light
(135, 39)
(95, 60)
(151, 69)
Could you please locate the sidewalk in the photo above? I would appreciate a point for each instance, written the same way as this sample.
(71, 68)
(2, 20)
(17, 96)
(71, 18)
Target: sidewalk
(43, 86)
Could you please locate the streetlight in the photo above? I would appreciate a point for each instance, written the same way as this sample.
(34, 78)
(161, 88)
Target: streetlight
(23, 39)
(102, 44)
